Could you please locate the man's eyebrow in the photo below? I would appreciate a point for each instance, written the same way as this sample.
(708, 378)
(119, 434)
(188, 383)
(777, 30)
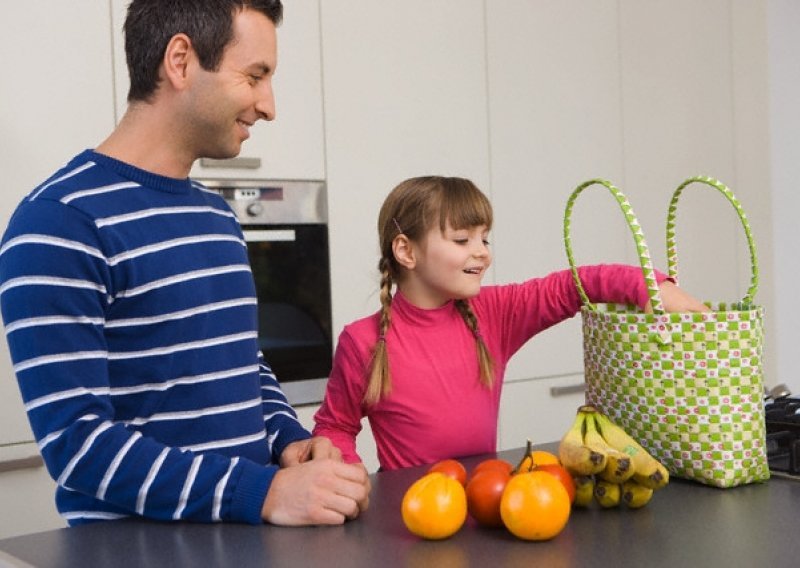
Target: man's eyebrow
(261, 68)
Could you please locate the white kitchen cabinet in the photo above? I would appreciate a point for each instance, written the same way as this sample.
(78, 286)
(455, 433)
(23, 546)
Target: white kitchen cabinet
(290, 147)
(540, 410)
(51, 108)
(56, 100)
(555, 106)
(695, 86)
(405, 95)
(644, 94)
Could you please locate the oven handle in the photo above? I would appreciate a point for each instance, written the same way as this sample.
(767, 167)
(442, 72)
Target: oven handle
(269, 235)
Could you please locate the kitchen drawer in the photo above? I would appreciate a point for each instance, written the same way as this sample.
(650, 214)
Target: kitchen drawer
(538, 409)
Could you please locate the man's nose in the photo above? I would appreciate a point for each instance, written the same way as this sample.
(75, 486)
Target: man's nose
(265, 105)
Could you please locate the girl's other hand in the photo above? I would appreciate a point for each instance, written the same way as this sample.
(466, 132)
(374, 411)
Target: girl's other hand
(676, 300)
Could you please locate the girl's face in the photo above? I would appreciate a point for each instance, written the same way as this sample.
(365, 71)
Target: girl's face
(446, 266)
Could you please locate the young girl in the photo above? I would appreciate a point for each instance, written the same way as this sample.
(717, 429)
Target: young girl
(427, 369)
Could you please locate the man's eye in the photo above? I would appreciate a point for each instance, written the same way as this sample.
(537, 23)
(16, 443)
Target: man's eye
(255, 78)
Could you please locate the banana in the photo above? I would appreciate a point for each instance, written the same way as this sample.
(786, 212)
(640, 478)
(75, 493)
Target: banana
(635, 495)
(573, 453)
(584, 490)
(618, 465)
(648, 471)
(607, 494)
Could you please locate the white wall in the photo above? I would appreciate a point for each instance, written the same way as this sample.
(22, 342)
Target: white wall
(784, 70)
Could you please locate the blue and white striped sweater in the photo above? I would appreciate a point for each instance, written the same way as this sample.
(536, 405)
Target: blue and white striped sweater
(130, 313)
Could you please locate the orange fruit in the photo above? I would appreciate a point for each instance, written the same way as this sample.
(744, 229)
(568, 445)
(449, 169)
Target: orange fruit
(535, 458)
(562, 475)
(535, 506)
(435, 506)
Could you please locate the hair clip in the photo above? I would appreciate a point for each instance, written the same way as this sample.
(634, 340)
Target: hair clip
(396, 224)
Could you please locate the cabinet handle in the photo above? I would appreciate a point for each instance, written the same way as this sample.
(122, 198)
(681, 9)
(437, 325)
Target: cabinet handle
(21, 463)
(240, 162)
(568, 389)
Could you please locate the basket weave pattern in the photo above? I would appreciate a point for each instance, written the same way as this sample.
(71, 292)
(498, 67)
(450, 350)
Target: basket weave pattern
(687, 386)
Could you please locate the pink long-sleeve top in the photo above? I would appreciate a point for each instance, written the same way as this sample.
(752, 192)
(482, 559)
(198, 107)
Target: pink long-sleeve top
(438, 407)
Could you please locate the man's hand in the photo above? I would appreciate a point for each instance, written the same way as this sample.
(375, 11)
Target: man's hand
(317, 492)
(676, 300)
(316, 448)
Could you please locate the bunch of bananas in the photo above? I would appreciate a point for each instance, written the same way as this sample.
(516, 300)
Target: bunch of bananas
(608, 466)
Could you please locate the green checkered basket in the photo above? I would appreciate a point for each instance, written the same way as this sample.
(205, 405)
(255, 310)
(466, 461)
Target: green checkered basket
(687, 386)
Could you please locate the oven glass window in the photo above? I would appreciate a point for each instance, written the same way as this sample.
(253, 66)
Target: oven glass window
(292, 276)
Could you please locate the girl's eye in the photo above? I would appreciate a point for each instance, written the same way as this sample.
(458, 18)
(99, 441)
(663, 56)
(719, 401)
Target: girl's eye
(486, 242)
(461, 241)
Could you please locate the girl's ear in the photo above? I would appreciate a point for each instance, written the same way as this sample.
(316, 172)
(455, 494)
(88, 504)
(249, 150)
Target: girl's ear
(403, 250)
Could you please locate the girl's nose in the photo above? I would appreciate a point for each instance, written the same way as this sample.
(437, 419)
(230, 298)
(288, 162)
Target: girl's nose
(482, 249)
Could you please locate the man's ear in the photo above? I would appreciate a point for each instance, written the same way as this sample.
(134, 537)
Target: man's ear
(177, 59)
(404, 252)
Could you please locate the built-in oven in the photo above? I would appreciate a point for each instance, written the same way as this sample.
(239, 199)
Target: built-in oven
(285, 225)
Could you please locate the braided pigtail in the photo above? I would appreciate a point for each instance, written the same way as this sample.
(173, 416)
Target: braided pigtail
(484, 357)
(380, 382)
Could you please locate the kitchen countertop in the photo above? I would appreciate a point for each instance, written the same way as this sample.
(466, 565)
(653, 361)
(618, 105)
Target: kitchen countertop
(685, 524)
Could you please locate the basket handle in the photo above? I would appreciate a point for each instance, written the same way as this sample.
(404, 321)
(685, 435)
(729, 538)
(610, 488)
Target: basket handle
(645, 260)
(672, 247)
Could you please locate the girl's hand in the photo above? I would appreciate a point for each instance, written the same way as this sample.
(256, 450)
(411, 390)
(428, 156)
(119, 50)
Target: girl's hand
(314, 448)
(676, 300)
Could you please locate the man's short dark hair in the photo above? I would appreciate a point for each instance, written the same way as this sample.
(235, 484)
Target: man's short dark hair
(150, 24)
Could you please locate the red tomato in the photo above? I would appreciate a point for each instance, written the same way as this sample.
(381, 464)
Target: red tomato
(493, 463)
(451, 468)
(484, 492)
(563, 476)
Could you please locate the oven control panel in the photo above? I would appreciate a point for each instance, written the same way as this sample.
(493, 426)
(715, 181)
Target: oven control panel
(272, 202)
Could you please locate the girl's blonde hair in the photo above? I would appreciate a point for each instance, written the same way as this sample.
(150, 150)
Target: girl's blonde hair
(413, 208)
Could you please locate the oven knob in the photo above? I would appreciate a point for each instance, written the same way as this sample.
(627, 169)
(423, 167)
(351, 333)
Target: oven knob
(255, 209)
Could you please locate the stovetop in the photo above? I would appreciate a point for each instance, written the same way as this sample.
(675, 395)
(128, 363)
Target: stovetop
(782, 417)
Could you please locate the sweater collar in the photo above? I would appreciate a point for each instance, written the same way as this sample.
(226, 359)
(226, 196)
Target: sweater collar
(414, 315)
(138, 175)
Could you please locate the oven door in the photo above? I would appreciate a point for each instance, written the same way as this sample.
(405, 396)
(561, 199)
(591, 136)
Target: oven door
(291, 269)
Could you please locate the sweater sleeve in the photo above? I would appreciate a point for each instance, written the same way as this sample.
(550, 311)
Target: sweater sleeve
(339, 417)
(54, 291)
(537, 304)
(280, 418)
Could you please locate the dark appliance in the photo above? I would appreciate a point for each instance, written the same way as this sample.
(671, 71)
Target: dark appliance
(782, 417)
(285, 225)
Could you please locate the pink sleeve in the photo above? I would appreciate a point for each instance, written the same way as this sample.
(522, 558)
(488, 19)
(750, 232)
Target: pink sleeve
(524, 310)
(339, 417)
(616, 283)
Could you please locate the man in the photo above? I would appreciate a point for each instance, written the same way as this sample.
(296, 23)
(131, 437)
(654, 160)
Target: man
(130, 308)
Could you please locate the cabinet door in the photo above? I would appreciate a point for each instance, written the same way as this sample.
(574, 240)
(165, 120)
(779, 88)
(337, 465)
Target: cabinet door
(56, 100)
(405, 95)
(679, 91)
(541, 410)
(291, 146)
(555, 107)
